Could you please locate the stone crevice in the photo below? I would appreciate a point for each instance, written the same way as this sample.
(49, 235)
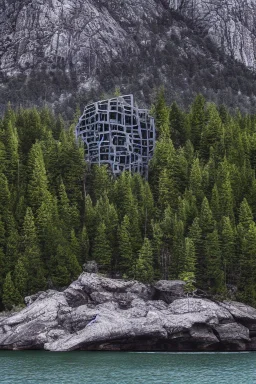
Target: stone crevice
(127, 317)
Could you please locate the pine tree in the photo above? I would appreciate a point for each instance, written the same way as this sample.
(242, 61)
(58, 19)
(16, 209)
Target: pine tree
(124, 198)
(10, 142)
(245, 215)
(101, 251)
(37, 178)
(21, 278)
(30, 129)
(3, 160)
(74, 245)
(58, 127)
(206, 219)
(60, 276)
(189, 152)
(126, 259)
(31, 253)
(11, 296)
(160, 263)
(105, 211)
(89, 218)
(211, 132)
(5, 199)
(226, 198)
(144, 270)
(84, 246)
(2, 233)
(162, 115)
(188, 273)
(47, 118)
(179, 128)
(111, 222)
(177, 254)
(72, 165)
(2, 271)
(127, 205)
(163, 158)
(167, 195)
(12, 246)
(197, 120)
(229, 256)
(247, 279)
(100, 181)
(195, 234)
(147, 208)
(195, 181)
(214, 271)
(180, 171)
(215, 204)
(71, 261)
(142, 193)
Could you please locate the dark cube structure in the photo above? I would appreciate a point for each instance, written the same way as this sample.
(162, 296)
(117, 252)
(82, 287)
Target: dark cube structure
(118, 133)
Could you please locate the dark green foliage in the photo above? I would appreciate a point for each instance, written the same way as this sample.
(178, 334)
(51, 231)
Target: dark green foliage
(126, 261)
(161, 112)
(197, 120)
(84, 246)
(193, 219)
(144, 269)
(21, 277)
(188, 273)
(10, 296)
(101, 252)
(32, 254)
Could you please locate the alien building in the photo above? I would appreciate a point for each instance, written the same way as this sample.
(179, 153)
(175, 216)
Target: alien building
(117, 133)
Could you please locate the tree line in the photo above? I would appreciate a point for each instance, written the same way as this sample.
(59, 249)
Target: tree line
(193, 219)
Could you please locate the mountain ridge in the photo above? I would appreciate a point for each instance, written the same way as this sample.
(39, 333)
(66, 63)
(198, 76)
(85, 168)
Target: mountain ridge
(66, 52)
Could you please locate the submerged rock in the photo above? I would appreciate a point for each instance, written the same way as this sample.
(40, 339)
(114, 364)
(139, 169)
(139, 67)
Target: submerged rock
(98, 313)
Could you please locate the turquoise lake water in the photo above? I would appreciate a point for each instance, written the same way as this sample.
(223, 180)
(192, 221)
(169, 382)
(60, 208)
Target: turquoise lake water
(127, 368)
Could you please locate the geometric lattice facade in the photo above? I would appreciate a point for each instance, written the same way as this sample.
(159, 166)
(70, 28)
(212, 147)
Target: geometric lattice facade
(117, 133)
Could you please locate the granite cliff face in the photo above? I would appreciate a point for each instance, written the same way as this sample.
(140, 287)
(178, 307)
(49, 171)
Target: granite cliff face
(229, 23)
(70, 33)
(98, 313)
(67, 51)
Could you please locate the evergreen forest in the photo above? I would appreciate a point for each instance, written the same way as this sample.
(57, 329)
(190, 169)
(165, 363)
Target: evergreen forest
(194, 218)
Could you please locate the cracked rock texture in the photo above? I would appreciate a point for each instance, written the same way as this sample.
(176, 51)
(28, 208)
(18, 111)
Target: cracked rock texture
(88, 34)
(71, 33)
(229, 23)
(98, 313)
(64, 52)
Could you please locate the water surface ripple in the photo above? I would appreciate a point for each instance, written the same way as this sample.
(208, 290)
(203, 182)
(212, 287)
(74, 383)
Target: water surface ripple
(127, 368)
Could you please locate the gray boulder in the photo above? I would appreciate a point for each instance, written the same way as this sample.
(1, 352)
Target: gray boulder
(169, 290)
(241, 312)
(90, 267)
(98, 313)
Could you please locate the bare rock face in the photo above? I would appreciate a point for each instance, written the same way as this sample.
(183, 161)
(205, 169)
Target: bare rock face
(169, 290)
(231, 24)
(98, 313)
(69, 34)
(90, 267)
(60, 51)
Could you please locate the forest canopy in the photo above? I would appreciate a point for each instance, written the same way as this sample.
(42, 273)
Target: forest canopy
(193, 219)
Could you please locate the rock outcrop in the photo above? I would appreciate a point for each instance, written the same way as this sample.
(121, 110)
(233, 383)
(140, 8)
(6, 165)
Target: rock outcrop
(230, 24)
(98, 313)
(60, 52)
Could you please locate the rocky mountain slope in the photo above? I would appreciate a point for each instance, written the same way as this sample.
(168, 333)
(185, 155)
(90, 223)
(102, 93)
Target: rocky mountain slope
(98, 313)
(67, 51)
(229, 23)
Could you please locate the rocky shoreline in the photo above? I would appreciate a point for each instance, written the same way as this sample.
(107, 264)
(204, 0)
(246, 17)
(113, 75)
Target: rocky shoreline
(98, 313)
